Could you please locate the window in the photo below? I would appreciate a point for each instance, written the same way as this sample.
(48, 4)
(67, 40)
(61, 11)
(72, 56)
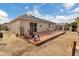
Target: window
(40, 25)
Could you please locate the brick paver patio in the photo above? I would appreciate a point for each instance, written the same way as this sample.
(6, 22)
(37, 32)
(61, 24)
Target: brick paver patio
(46, 37)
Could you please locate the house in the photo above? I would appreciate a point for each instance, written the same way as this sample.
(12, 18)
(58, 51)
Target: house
(60, 26)
(23, 23)
(4, 26)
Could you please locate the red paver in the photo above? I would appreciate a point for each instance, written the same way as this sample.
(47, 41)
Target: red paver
(46, 37)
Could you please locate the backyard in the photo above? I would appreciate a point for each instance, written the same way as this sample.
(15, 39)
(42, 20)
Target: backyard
(60, 46)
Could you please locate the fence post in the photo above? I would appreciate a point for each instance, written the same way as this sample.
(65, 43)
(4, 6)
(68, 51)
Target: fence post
(74, 48)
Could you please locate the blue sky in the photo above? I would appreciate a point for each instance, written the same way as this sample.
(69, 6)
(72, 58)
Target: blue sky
(56, 12)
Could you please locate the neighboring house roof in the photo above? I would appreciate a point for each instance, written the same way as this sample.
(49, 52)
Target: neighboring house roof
(62, 24)
(30, 17)
(4, 24)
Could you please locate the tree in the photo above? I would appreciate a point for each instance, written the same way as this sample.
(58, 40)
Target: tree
(0, 27)
(67, 26)
(77, 21)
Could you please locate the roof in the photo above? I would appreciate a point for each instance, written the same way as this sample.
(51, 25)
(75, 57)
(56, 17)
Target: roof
(4, 24)
(30, 17)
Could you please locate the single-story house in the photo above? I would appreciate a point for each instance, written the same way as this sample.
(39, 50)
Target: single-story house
(23, 23)
(4, 26)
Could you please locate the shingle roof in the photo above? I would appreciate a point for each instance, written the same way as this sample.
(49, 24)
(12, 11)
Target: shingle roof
(30, 17)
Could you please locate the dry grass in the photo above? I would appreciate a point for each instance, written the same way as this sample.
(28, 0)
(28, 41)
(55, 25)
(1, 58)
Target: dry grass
(15, 46)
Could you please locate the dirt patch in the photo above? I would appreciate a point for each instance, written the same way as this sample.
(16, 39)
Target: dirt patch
(14, 45)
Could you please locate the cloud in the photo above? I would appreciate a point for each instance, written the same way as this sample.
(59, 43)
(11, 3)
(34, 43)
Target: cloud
(37, 13)
(61, 10)
(68, 5)
(76, 10)
(26, 8)
(66, 19)
(3, 17)
(3, 13)
(61, 19)
(56, 19)
(47, 17)
(34, 12)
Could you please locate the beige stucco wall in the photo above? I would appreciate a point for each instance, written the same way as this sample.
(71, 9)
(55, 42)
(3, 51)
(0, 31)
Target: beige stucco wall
(14, 27)
(41, 26)
(54, 27)
(25, 24)
(51, 27)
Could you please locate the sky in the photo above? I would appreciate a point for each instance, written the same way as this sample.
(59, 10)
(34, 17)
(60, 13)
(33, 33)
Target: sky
(55, 12)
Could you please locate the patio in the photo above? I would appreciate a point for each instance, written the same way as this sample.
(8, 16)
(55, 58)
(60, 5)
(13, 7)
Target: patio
(44, 37)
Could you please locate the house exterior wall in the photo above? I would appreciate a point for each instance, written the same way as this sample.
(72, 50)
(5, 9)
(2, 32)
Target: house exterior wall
(54, 27)
(51, 27)
(41, 26)
(14, 27)
(45, 27)
(25, 24)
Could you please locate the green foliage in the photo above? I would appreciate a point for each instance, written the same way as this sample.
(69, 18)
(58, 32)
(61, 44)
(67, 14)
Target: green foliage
(0, 27)
(77, 20)
(67, 26)
(74, 24)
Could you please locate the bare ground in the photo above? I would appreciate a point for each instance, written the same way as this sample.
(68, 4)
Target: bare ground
(12, 45)
(60, 46)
